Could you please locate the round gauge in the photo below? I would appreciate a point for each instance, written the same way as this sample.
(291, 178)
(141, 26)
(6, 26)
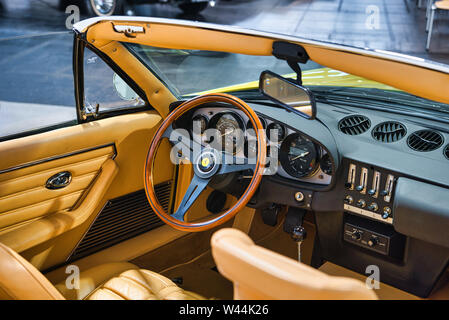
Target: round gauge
(250, 149)
(249, 126)
(199, 124)
(275, 128)
(229, 127)
(326, 164)
(298, 156)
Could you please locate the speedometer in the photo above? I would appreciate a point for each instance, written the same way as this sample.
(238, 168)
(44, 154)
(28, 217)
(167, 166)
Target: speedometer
(229, 133)
(298, 156)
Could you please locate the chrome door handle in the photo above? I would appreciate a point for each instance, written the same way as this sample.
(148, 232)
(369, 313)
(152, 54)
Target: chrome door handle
(59, 180)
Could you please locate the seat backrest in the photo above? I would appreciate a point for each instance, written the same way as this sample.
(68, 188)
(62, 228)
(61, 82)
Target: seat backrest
(20, 280)
(258, 273)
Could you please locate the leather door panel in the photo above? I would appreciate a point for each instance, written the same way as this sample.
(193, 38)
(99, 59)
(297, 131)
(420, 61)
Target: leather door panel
(106, 158)
(24, 196)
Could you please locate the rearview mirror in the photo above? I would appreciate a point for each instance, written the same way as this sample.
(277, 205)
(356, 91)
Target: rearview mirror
(290, 95)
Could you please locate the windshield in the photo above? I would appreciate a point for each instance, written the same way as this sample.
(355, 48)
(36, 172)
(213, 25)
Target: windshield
(192, 72)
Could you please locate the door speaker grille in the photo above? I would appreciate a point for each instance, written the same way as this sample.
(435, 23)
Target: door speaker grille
(354, 125)
(123, 218)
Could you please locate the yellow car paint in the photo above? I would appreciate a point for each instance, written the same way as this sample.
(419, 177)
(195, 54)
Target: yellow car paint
(313, 77)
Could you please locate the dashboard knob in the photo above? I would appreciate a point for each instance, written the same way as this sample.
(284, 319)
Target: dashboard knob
(386, 212)
(361, 203)
(371, 192)
(360, 188)
(348, 186)
(372, 241)
(349, 199)
(299, 196)
(384, 193)
(373, 206)
(356, 235)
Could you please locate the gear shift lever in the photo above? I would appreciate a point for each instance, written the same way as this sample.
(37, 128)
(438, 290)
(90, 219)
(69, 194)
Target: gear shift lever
(298, 235)
(293, 226)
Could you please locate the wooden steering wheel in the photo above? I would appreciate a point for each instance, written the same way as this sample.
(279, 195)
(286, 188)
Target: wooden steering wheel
(207, 162)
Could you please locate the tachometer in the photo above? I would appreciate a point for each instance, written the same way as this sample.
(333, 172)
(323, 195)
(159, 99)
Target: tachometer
(229, 127)
(298, 156)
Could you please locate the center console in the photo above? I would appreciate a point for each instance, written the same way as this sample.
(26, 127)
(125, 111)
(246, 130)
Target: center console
(369, 191)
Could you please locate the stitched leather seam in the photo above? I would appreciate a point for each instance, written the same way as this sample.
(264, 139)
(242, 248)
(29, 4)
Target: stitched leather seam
(148, 288)
(42, 187)
(113, 291)
(58, 168)
(37, 204)
(168, 284)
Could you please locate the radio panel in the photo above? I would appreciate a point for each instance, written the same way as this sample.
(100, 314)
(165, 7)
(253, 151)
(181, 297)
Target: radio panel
(373, 236)
(369, 191)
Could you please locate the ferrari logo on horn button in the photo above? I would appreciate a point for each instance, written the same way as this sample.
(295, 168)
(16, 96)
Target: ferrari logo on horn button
(205, 162)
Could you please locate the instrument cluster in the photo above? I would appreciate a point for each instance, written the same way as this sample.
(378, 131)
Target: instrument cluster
(295, 156)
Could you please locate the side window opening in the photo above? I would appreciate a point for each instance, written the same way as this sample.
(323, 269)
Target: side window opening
(37, 92)
(104, 90)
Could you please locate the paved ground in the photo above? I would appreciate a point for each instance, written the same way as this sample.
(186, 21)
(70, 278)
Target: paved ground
(35, 59)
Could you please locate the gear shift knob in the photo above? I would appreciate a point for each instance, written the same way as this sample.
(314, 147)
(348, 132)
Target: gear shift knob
(298, 234)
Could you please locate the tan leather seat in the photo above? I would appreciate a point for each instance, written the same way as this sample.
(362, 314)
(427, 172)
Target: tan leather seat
(20, 280)
(258, 273)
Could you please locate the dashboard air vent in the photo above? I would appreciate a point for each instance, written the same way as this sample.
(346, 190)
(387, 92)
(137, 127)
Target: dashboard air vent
(446, 151)
(425, 140)
(354, 125)
(390, 131)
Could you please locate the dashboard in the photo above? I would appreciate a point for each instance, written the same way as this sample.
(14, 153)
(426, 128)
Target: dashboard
(291, 154)
(375, 183)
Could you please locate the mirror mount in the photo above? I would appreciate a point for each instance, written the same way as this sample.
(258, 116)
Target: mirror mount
(294, 54)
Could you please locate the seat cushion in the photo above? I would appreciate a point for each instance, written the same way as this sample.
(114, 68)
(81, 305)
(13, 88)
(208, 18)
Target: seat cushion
(125, 281)
(19, 280)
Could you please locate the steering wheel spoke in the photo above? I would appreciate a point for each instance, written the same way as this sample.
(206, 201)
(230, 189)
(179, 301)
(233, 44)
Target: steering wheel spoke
(233, 164)
(182, 142)
(197, 185)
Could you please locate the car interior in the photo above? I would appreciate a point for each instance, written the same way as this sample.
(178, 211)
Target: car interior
(317, 196)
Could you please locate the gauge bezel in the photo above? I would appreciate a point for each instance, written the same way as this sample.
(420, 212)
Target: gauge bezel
(213, 121)
(262, 120)
(285, 162)
(326, 155)
(199, 116)
(216, 117)
(284, 130)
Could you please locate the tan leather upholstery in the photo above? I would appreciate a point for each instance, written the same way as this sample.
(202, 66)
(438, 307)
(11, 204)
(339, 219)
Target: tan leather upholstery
(125, 281)
(444, 4)
(139, 284)
(258, 273)
(19, 280)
